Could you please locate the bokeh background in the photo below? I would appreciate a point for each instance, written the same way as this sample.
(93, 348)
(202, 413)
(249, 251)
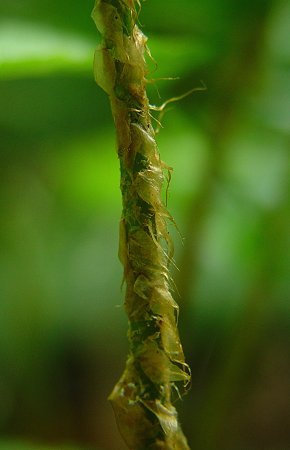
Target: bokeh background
(62, 324)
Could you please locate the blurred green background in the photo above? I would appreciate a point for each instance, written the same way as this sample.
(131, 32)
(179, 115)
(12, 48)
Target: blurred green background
(62, 325)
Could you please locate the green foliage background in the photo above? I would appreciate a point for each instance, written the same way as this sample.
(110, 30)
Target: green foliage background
(62, 327)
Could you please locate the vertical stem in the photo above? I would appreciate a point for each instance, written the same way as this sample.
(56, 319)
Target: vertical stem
(142, 398)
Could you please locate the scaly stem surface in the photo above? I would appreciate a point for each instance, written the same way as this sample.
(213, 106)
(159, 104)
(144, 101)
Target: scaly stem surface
(142, 398)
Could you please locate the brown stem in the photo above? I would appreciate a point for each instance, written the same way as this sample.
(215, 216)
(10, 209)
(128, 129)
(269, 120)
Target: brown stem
(142, 397)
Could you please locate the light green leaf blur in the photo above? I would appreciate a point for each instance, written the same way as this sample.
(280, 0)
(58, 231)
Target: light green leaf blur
(28, 49)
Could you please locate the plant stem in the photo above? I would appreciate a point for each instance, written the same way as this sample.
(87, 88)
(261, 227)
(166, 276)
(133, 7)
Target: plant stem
(142, 399)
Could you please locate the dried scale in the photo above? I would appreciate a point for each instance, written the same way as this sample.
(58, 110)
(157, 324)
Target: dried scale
(142, 398)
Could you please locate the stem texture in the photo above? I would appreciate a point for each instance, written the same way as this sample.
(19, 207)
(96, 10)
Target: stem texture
(142, 398)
